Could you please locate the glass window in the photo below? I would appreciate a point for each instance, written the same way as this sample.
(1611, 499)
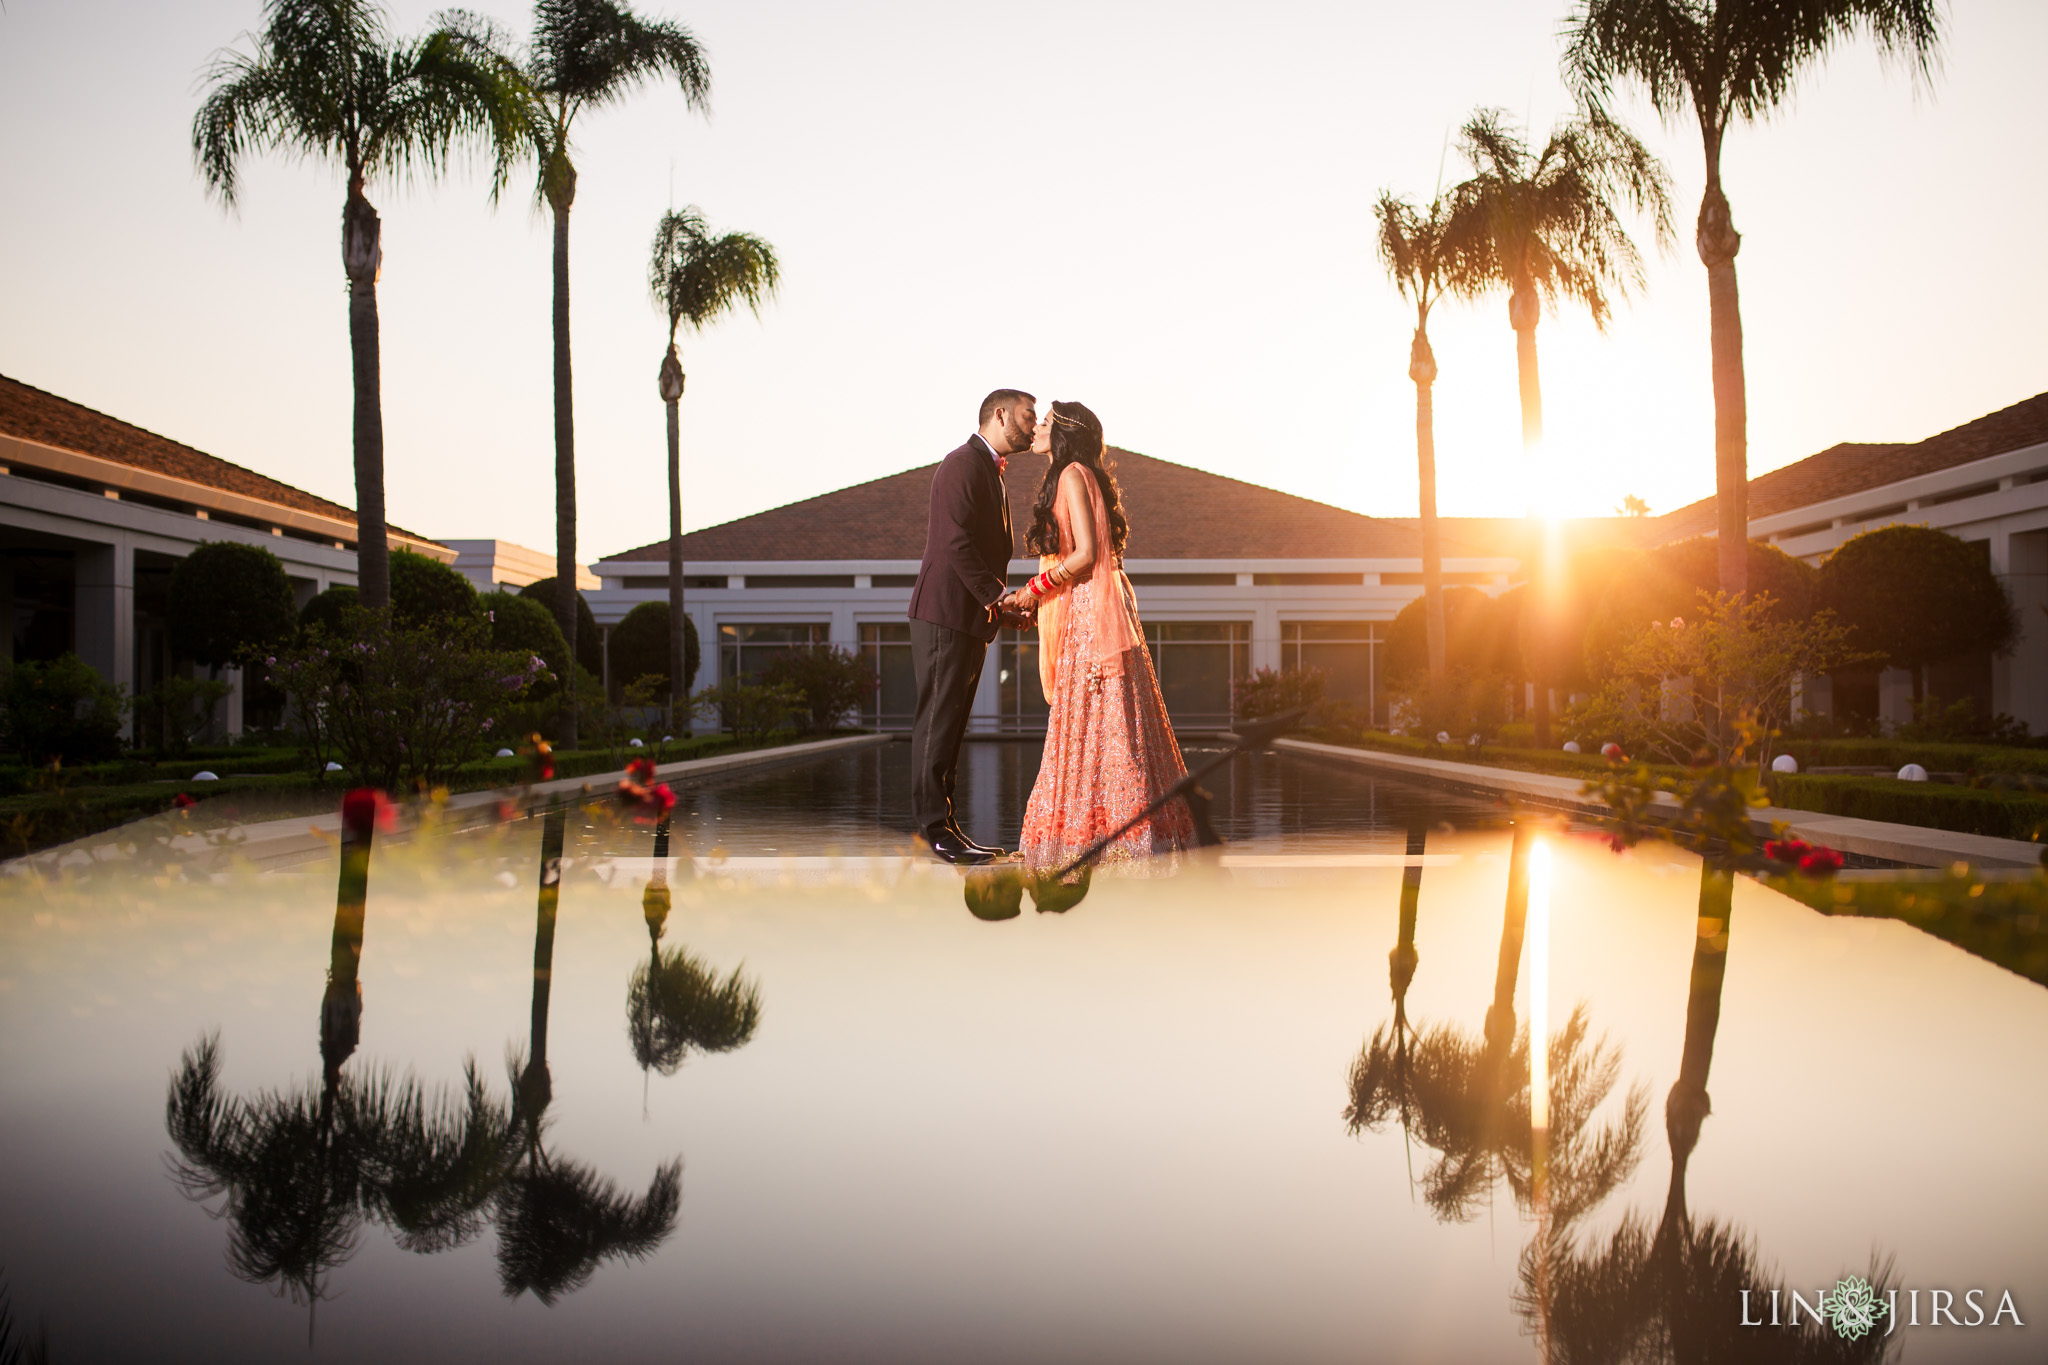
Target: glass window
(1198, 663)
(744, 650)
(886, 647)
(1019, 693)
(1346, 651)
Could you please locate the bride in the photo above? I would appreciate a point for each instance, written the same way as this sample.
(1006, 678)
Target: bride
(1109, 751)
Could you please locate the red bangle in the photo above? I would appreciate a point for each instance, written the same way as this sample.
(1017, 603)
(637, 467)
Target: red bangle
(1041, 586)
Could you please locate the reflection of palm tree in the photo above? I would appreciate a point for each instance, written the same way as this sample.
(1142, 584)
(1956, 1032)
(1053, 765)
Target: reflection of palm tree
(1468, 1098)
(1664, 1293)
(558, 1219)
(1380, 1077)
(302, 1169)
(676, 1003)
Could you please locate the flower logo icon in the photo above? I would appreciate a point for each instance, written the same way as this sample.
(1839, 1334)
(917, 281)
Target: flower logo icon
(1853, 1308)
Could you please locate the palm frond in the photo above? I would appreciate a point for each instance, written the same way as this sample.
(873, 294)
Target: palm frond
(1551, 219)
(1734, 58)
(325, 80)
(697, 278)
(596, 52)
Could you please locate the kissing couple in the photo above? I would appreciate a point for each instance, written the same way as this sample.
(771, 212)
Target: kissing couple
(1109, 751)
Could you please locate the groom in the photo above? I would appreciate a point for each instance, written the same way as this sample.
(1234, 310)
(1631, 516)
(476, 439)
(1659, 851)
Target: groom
(955, 611)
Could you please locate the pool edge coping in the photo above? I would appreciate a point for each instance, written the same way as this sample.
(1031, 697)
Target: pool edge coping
(1916, 845)
(288, 841)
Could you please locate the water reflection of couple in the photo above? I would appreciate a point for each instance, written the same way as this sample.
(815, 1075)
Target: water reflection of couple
(1109, 750)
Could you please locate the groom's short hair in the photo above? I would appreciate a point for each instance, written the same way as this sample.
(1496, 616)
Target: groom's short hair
(997, 401)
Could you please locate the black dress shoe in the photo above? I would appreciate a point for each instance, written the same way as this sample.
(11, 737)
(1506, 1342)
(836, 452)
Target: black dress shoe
(948, 847)
(989, 849)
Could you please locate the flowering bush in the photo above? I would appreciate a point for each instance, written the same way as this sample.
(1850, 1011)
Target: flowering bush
(1679, 690)
(397, 702)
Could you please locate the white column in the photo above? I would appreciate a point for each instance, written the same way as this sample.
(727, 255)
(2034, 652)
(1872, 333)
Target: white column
(2019, 681)
(103, 603)
(1266, 635)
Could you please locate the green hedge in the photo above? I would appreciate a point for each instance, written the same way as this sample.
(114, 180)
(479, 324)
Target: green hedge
(1935, 805)
(1897, 753)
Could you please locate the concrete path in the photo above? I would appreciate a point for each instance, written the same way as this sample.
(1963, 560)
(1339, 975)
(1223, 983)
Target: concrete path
(1914, 845)
(283, 843)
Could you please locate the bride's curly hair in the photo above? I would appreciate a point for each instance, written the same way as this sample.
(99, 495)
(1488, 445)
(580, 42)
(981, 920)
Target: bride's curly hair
(1076, 439)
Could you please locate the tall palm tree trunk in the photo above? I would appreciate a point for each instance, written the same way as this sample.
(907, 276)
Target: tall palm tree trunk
(536, 1086)
(361, 256)
(565, 460)
(1687, 1106)
(1524, 309)
(1422, 369)
(1718, 241)
(1500, 1015)
(678, 685)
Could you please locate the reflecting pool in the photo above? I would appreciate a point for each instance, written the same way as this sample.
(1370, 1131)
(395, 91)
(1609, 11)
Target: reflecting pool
(768, 1091)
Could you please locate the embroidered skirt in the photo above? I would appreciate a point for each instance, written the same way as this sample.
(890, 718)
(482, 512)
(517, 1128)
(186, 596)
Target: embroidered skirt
(1109, 752)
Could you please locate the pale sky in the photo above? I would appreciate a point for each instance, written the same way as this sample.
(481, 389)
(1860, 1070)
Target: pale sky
(1160, 209)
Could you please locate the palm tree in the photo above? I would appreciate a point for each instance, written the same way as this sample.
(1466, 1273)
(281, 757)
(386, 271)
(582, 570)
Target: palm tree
(1550, 225)
(325, 79)
(1468, 1098)
(1724, 61)
(696, 277)
(557, 1219)
(1428, 257)
(674, 1003)
(302, 1169)
(587, 54)
(1660, 1290)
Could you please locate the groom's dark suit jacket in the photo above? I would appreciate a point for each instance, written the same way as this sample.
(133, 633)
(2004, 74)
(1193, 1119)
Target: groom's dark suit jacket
(967, 544)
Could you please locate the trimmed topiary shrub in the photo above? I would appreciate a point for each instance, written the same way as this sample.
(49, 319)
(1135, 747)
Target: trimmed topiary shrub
(524, 624)
(228, 599)
(640, 644)
(1667, 582)
(589, 646)
(424, 591)
(327, 610)
(1916, 595)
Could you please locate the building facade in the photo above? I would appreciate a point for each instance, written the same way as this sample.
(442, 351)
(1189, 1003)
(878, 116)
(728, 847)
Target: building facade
(1230, 577)
(1985, 482)
(95, 514)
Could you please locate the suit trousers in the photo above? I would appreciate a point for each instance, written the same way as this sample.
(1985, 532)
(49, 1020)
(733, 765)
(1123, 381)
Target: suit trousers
(948, 667)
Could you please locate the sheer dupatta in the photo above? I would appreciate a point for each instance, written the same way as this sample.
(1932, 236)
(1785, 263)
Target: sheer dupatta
(1113, 604)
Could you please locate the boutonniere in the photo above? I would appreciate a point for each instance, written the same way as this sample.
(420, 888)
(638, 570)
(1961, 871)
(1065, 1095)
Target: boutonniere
(1002, 464)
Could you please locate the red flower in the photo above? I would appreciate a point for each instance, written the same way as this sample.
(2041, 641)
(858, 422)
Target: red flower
(640, 770)
(1612, 752)
(365, 809)
(183, 802)
(1821, 862)
(1786, 850)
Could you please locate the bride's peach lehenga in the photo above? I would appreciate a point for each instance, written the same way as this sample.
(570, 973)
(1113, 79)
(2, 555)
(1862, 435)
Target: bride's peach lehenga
(1109, 751)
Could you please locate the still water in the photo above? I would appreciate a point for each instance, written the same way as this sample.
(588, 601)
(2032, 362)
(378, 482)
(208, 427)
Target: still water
(1273, 1108)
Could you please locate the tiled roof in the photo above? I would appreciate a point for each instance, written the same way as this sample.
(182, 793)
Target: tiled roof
(1175, 513)
(31, 414)
(1852, 467)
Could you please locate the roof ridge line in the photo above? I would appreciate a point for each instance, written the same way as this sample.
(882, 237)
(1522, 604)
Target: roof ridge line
(168, 440)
